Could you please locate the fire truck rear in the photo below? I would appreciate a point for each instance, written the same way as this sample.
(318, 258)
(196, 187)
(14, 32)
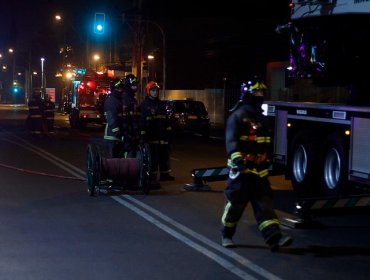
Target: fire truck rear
(321, 114)
(87, 97)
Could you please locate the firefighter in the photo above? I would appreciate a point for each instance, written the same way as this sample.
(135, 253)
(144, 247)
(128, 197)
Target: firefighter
(248, 146)
(113, 112)
(36, 109)
(130, 116)
(155, 129)
(49, 114)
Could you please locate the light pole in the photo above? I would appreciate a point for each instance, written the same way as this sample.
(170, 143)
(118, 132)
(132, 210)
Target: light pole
(124, 19)
(42, 76)
(150, 57)
(34, 73)
(66, 47)
(96, 58)
(11, 51)
(63, 49)
(163, 54)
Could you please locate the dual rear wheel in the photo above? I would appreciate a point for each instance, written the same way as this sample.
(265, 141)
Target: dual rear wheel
(318, 168)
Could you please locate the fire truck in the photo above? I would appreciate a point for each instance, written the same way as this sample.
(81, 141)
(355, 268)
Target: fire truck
(321, 117)
(86, 97)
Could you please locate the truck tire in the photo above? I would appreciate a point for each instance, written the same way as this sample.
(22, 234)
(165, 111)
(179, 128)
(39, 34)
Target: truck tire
(303, 165)
(334, 171)
(93, 167)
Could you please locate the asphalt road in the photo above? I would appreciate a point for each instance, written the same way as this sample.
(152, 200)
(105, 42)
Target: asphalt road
(51, 229)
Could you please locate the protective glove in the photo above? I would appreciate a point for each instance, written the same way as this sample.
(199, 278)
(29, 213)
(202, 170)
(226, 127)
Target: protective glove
(239, 164)
(236, 164)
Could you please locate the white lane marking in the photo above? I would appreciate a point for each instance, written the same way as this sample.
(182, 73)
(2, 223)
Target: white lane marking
(230, 253)
(48, 156)
(221, 261)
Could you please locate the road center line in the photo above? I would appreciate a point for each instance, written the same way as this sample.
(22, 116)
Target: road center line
(71, 169)
(229, 253)
(221, 261)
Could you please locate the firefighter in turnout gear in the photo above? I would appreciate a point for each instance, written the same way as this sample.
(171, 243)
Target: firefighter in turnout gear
(36, 110)
(155, 129)
(130, 116)
(113, 111)
(248, 147)
(49, 114)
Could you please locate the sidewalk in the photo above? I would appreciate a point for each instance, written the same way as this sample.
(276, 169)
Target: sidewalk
(18, 107)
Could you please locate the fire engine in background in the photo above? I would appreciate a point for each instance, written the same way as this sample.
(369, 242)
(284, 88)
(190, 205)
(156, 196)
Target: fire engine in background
(322, 129)
(86, 98)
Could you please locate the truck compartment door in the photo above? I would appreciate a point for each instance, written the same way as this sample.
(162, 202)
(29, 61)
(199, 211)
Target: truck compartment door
(360, 147)
(280, 137)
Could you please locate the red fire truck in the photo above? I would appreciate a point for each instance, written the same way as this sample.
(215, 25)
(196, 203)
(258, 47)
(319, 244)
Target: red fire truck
(86, 98)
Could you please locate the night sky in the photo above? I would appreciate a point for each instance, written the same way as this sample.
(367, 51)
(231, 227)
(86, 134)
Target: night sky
(205, 40)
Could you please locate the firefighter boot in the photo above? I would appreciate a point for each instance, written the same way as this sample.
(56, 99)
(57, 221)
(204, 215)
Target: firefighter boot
(227, 242)
(227, 233)
(279, 240)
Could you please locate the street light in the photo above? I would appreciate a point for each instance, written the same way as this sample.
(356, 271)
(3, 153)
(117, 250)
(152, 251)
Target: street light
(96, 58)
(150, 57)
(34, 73)
(67, 46)
(42, 75)
(11, 51)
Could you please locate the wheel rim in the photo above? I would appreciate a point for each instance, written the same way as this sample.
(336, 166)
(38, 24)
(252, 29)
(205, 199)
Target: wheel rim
(300, 163)
(332, 168)
(90, 172)
(143, 157)
(93, 170)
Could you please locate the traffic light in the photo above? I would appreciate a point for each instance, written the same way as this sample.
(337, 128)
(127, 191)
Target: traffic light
(15, 89)
(99, 23)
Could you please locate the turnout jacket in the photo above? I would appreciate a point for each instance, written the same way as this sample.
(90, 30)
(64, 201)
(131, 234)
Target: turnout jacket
(154, 124)
(248, 141)
(36, 108)
(113, 112)
(130, 116)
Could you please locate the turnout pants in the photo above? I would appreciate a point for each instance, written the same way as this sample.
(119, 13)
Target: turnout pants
(160, 159)
(250, 188)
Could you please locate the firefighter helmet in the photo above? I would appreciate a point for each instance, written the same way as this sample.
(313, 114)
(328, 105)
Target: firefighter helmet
(252, 93)
(130, 83)
(117, 84)
(152, 85)
(252, 87)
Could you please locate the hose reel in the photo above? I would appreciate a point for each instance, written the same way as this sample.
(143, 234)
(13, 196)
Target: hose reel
(102, 172)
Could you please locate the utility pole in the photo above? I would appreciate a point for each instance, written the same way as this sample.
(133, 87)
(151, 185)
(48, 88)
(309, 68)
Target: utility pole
(163, 55)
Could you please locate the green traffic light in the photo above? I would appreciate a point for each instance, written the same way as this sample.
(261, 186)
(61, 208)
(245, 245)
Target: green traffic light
(99, 22)
(99, 27)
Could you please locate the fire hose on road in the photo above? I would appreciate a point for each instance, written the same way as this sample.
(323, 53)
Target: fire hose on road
(103, 174)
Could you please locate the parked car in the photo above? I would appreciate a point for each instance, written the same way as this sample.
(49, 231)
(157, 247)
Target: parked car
(188, 116)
